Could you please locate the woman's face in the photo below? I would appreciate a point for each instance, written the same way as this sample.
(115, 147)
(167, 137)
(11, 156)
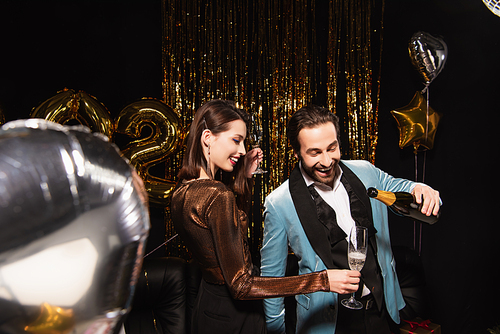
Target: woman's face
(227, 147)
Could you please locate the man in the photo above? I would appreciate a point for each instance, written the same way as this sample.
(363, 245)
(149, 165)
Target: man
(296, 217)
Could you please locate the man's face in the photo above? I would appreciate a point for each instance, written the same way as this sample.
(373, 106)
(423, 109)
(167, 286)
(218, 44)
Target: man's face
(319, 152)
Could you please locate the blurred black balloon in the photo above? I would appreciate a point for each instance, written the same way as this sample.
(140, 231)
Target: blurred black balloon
(73, 224)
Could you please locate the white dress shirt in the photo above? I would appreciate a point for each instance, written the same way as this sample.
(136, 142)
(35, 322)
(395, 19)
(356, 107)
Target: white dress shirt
(336, 197)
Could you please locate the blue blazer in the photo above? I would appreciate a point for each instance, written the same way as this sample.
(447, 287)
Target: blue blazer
(288, 209)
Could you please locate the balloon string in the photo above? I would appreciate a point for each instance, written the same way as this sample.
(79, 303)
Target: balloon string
(415, 222)
(427, 119)
(166, 242)
(425, 89)
(423, 165)
(419, 224)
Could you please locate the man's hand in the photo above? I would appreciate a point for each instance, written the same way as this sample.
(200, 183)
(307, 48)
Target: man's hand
(343, 281)
(430, 199)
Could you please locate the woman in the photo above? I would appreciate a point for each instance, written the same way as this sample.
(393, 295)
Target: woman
(208, 215)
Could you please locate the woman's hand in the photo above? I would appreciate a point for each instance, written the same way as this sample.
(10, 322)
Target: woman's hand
(252, 160)
(343, 281)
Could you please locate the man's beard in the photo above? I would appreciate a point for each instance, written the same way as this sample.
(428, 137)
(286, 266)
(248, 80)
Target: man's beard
(313, 173)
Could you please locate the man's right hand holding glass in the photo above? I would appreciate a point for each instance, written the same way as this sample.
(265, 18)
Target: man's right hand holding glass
(343, 281)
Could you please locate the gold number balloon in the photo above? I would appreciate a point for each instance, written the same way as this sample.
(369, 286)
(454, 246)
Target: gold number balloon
(153, 149)
(69, 105)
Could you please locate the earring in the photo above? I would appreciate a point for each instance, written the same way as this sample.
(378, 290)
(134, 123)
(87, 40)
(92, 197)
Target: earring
(209, 171)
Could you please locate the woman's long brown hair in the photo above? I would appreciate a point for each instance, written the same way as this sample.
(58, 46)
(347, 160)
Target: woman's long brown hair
(215, 115)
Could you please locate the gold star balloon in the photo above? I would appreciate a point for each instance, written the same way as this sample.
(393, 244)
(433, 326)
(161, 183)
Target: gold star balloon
(417, 123)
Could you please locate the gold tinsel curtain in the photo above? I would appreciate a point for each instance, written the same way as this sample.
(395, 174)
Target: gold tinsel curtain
(272, 57)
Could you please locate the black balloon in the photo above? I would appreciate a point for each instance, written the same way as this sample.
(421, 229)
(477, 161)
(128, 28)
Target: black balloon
(428, 55)
(73, 224)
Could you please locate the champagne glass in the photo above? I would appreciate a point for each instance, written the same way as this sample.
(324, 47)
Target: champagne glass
(356, 254)
(256, 136)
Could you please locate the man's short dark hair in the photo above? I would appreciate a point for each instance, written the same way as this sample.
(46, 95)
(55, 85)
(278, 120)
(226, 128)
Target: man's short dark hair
(309, 117)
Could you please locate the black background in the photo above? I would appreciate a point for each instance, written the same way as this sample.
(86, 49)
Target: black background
(112, 50)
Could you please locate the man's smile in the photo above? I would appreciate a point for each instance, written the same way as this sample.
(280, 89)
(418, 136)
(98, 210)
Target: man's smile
(325, 171)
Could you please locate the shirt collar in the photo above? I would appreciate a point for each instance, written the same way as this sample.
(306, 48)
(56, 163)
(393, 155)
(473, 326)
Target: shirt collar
(320, 185)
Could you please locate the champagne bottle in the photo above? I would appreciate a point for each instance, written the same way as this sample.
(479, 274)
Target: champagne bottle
(403, 204)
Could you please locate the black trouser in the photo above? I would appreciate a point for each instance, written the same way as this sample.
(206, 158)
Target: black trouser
(364, 321)
(216, 312)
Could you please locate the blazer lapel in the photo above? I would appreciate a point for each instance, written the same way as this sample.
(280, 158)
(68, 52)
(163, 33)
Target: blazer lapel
(358, 188)
(362, 214)
(306, 210)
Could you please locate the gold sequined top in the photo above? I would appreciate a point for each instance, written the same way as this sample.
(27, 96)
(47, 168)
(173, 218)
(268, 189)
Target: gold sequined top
(206, 217)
